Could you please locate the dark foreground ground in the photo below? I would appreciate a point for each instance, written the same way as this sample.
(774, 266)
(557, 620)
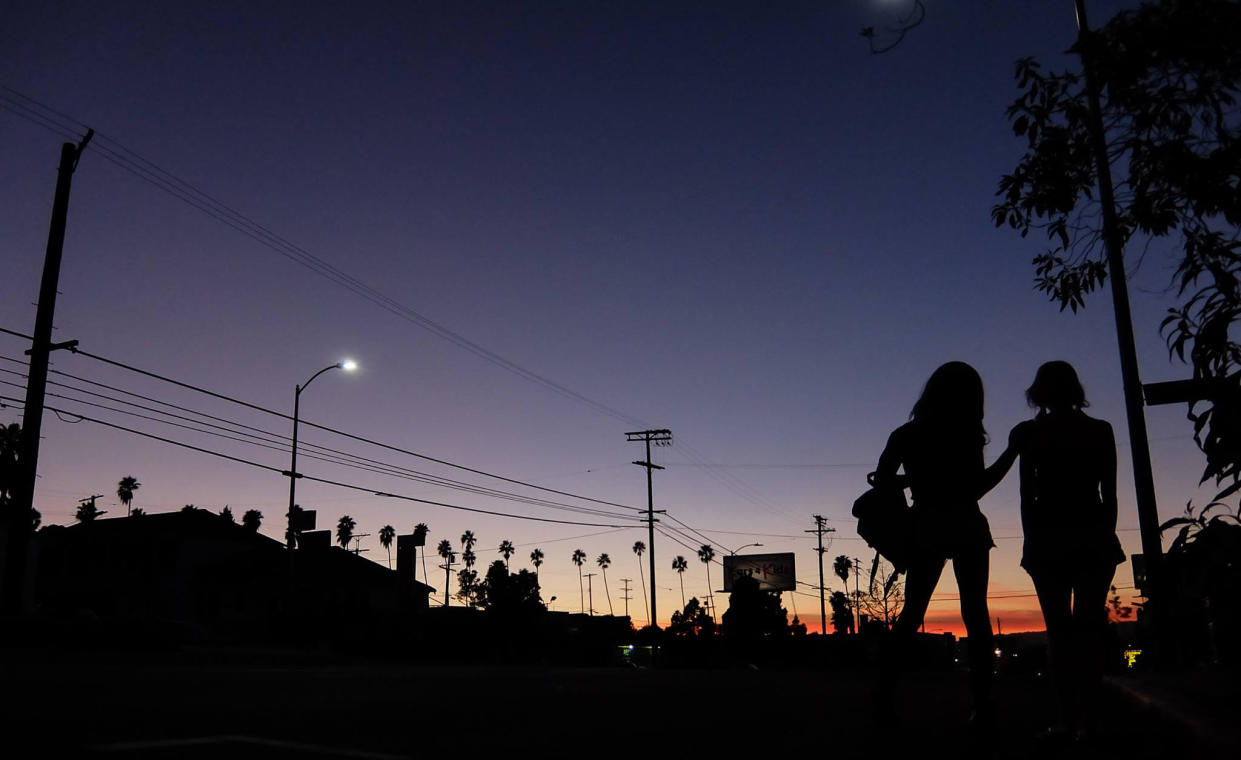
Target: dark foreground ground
(269, 705)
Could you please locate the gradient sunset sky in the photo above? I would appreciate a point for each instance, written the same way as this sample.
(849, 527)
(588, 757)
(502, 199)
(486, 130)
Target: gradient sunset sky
(727, 219)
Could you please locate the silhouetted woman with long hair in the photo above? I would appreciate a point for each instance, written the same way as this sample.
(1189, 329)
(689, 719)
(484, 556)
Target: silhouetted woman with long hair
(1068, 516)
(940, 450)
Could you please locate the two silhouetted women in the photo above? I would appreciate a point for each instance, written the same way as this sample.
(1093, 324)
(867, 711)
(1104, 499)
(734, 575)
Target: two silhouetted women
(1068, 515)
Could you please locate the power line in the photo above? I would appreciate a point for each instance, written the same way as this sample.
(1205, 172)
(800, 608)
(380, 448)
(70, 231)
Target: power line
(334, 431)
(182, 190)
(325, 481)
(333, 457)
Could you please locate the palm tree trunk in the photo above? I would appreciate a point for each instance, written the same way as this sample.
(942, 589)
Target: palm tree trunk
(608, 591)
(389, 548)
(425, 578)
(681, 576)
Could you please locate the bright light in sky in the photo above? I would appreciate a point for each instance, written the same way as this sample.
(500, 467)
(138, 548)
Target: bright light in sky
(349, 365)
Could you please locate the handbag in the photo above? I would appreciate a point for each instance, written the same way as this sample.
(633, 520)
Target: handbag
(884, 521)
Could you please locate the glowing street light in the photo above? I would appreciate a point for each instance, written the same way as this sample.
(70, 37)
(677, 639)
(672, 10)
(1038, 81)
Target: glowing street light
(348, 365)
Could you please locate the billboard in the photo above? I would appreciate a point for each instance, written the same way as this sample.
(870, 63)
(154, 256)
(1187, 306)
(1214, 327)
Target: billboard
(774, 572)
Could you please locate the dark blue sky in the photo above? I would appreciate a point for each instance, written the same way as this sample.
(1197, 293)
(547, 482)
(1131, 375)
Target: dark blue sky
(728, 219)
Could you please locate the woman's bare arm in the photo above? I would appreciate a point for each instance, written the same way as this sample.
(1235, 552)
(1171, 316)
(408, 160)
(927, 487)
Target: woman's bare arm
(889, 462)
(995, 473)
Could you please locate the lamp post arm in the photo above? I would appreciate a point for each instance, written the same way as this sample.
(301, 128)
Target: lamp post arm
(302, 387)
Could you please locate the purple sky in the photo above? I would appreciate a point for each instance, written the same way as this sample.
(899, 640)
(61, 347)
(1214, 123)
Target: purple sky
(725, 219)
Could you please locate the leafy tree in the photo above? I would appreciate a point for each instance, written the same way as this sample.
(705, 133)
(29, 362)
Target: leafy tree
(639, 548)
(680, 565)
(753, 613)
(227, 513)
(138, 512)
(386, 534)
(344, 530)
(536, 559)
(87, 511)
(449, 556)
(293, 518)
(843, 566)
(885, 594)
(579, 558)
(692, 622)
(1168, 74)
(842, 615)
(509, 595)
(252, 519)
(705, 554)
(506, 550)
(1117, 611)
(1201, 564)
(467, 586)
(188, 508)
(125, 490)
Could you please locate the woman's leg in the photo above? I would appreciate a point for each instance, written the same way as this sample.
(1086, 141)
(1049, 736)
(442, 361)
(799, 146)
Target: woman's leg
(972, 570)
(1054, 594)
(920, 581)
(1090, 632)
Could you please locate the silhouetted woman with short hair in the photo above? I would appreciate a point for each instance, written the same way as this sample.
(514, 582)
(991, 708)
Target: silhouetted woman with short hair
(1068, 516)
(940, 450)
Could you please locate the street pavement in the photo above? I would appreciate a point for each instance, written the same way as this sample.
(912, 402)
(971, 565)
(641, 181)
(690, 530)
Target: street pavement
(273, 705)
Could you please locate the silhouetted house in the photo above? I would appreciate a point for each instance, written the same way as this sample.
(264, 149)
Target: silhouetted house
(198, 568)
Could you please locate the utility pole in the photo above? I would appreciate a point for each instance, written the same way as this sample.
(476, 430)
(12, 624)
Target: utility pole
(820, 527)
(13, 582)
(357, 546)
(857, 597)
(626, 597)
(662, 437)
(1139, 445)
(590, 592)
(447, 568)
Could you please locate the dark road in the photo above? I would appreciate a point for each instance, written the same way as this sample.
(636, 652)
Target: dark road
(121, 705)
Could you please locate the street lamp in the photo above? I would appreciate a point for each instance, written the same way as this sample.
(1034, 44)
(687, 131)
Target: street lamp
(348, 365)
(739, 548)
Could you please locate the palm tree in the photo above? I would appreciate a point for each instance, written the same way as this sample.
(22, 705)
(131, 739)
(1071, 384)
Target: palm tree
(344, 530)
(420, 539)
(445, 551)
(680, 565)
(506, 551)
(706, 553)
(579, 558)
(125, 490)
(386, 534)
(536, 559)
(604, 562)
(252, 519)
(639, 548)
(468, 540)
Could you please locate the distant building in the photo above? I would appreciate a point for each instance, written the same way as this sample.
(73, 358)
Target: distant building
(197, 568)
